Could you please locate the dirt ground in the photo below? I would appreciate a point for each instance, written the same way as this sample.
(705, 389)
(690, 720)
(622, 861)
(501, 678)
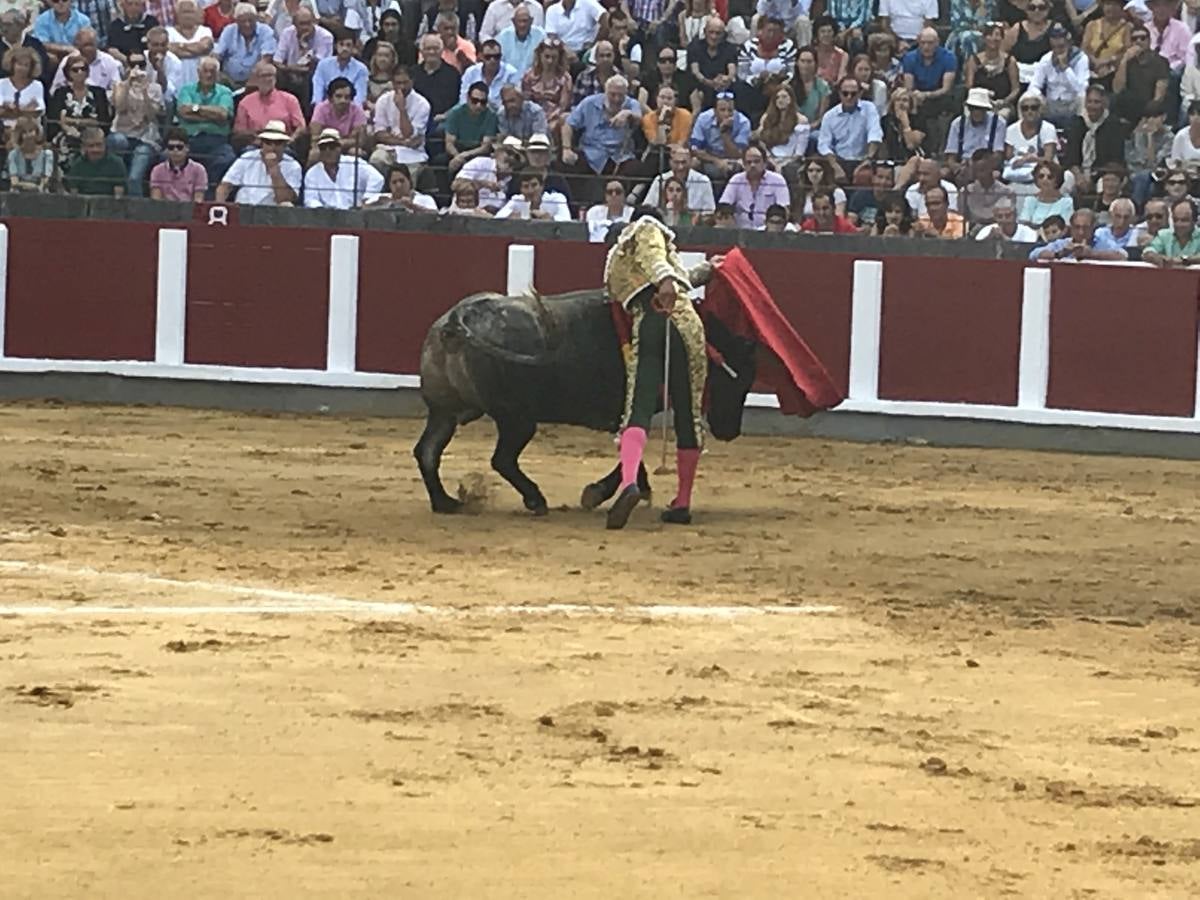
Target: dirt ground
(1005, 701)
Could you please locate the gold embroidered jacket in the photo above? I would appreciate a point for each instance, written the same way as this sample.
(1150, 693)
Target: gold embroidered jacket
(644, 254)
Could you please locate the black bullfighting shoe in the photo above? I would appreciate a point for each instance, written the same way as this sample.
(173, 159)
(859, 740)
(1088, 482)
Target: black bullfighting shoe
(677, 515)
(619, 512)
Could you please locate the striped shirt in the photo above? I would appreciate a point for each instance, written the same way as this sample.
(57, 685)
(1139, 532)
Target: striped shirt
(753, 65)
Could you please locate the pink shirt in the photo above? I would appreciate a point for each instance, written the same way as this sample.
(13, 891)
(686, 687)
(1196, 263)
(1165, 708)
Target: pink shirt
(253, 113)
(324, 115)
(1172, 44)
(179, 184)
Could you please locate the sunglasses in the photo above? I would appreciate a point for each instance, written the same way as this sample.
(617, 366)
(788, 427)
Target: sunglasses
(1177, 182)
(666, 59)
(849, 93)
(477, 101)
(1031, 108)
(176, 146)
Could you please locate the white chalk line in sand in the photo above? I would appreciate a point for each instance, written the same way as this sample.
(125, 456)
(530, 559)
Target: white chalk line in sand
(305, 603)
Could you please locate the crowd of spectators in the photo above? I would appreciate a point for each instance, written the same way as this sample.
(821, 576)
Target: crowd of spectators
(1073, 125)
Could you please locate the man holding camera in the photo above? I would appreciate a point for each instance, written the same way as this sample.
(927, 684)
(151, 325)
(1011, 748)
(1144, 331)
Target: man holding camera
(1178, 245)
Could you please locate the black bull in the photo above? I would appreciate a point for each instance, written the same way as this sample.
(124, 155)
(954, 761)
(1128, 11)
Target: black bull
(529, 360)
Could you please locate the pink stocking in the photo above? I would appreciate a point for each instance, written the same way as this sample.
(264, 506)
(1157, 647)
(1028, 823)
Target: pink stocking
(686, 461)
(633, 443)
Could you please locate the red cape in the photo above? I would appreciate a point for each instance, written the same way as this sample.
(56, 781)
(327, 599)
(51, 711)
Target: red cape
(737, 296)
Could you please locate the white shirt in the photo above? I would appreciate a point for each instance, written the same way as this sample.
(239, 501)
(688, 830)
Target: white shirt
(907, 17)
(599, 220)
(578, 27)
(32, 96)
(356, 180)
(103, 73)
(249, 174)
(1059, 85)
(552, 202)
(480, 169)
(797, 143)
(422, 200)
(699, 192)
(387, 118)
(499, 16)
(1023, 235)
(173, 66)
(916, 199)
(1182, 149)
(189, 65)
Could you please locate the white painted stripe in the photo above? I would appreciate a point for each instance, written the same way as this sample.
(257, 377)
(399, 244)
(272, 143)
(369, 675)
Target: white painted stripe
(866, 313)
(341, 339)
(1033, 378)
(3, 283)
(171, 320)
(306, 603)
(520, 269)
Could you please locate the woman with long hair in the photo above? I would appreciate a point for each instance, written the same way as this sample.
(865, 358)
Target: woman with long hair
(674, 203)
(1049, 199)
(994, 69)
(873, 89)
(21, 93)
(380, 68)
(1029, 40)
(548, 83)
(783, 129)
(812, 91)
(901, 140)
(894, 218)
(391, 32)
(73, 107)
(817, 175)
(832, 60)
(881, 49)
(1106, 40)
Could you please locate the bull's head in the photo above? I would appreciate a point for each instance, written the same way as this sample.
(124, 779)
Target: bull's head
(728, 385)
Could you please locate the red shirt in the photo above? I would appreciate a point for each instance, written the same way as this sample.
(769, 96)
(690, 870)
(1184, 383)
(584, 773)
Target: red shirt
(841, 225)
(253, 113)
(216, 20)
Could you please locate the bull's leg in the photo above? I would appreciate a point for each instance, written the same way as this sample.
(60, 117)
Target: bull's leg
(439, 429)
(513, 437)
(601, 491)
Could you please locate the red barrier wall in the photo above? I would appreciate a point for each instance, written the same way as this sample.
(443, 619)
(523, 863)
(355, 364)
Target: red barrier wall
(79, 290)
(405, 281)
(950, 330)
(257, 297)
(1123, 340)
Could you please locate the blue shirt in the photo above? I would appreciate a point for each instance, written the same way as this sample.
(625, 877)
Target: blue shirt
(851, 13)
(846, 133)
(1100, 241)
(598, 140)
(238, 58)
(49, 30)
(706, 135)
(518, 53)
(474, 74)
(928, 76)
(329, 68)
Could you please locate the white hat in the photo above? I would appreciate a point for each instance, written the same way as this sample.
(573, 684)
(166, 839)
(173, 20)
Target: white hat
(538, 142)
(329, 136)
(980, 98)
(512, 142)
(274, 131)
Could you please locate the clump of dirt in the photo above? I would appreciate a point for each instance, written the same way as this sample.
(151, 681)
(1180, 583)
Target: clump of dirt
(474, 493)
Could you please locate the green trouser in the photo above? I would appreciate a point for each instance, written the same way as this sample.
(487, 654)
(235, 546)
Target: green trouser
(647, 366)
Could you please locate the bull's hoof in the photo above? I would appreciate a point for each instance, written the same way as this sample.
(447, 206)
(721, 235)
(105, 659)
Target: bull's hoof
(447, 506)
(622, 508)
(539, 508)
(593, 495)
(677, 515)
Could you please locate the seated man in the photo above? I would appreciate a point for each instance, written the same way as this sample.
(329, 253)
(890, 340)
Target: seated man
(1083, 242)
(339, 112)
(863, 207)
(978, 128)
(929, 73)
(401, 118)
(754, 189)
(700, 199)
(457, 52)
(1095, 140)
(777, 221)
(128, 32)
(850, 132)
(400, 193)
(493, 72)
(1006, 227)
(575, 22)
(519, 118)
(534, 202)
(1179, 245)
(341, 65)
(337, 181)
(605, 125)
(907, 19)
(665, 125)
(205, 111)
(470, 128)
(825, 219)
(164, 67)
(537, 159)
(929, 175)
(491, 174)
(103, 71)
(56, 28)
(1061, 76)
(265, 176)
(302, 45)
(1120, 228)
(592, 79)
(719, 136)
(520, 40)
(939, 220)
(980, 196)
(263, 103)
(1141, 80)
(244, 44)
(178, 178)
(97, 172)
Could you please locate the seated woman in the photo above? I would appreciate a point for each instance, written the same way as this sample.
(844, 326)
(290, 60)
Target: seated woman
(30, 166)
(1049, 199)
(784, 131)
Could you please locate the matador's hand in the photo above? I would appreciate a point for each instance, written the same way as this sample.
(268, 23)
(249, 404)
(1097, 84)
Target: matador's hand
(665, 297)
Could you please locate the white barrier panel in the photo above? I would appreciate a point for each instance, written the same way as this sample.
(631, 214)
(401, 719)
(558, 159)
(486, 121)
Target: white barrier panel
(1033, 374)
(341, 341)
(3, 283)
(170, 325)
(865, 314)
(520, 269)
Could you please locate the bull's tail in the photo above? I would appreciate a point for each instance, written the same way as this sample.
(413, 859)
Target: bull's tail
(457, 335)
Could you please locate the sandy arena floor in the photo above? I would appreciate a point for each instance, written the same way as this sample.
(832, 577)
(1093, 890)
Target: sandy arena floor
(197, 698)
